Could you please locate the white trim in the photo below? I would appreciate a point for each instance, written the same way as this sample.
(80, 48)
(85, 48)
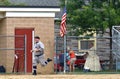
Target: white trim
(29, 14)
(31, 9)
(33, 34)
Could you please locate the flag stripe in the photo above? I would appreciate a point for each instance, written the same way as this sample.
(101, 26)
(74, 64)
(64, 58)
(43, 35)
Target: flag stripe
(63, 24)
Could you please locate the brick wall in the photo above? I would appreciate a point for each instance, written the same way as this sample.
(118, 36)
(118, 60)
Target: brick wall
(3, 42)
(44, 27)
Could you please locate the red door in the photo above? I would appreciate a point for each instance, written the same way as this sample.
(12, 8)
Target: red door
(20, 43)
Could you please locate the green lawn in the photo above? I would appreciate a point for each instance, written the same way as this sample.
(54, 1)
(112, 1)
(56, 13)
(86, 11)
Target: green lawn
(78, 71)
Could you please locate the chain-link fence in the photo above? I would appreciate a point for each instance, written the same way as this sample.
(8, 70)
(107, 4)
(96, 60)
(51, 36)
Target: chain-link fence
(12, 54)
(116, 45)
(97, 57)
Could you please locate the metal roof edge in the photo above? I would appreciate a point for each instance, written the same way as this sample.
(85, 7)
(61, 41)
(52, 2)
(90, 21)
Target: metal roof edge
(29, 6)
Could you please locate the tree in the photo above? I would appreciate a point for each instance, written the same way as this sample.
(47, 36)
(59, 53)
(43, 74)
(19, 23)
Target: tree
(8, 3)
(92, 16)
(4, 2)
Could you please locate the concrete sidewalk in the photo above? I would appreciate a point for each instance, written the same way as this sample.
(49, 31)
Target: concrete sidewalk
(99, 76)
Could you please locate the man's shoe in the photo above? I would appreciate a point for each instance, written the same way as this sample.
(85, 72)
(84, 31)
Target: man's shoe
(34, 74)
(49, 60)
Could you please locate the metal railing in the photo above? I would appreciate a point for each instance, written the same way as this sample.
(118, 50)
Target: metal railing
(13, 53)
(81, 44)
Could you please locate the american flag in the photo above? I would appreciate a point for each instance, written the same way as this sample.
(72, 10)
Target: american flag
(63, 24)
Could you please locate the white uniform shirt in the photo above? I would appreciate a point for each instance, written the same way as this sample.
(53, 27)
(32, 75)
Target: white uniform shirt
(41, 44)
(38, 46)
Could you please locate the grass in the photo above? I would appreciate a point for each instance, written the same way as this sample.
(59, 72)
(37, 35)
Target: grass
(78, 71)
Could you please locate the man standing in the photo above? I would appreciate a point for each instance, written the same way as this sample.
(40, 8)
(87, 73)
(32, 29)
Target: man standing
(61, 59)
(39, 55)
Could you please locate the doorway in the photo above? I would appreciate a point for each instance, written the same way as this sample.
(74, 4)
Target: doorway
(20, 43)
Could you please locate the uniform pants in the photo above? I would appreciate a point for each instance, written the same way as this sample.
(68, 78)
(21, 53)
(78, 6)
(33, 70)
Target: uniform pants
(37, 60)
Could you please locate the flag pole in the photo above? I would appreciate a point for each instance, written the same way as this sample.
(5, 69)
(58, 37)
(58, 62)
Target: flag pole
(65, 53)
(65, 41)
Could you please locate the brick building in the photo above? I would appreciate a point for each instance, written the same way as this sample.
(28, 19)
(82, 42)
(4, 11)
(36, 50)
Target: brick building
(36, 18)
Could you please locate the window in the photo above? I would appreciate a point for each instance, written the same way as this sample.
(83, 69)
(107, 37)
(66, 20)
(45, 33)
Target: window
(84, 44)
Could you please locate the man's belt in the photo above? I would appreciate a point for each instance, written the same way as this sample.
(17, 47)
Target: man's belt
(39, 54)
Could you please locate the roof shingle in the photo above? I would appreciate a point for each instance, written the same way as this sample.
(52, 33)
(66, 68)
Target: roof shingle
(37, 2)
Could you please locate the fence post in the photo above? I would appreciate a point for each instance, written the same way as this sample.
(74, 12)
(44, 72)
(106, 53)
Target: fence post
(116, 64)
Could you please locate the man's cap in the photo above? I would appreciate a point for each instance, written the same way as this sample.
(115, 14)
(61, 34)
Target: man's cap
(37, 37)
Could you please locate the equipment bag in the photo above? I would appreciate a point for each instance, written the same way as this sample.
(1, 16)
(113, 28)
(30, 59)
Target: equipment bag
(2, 69)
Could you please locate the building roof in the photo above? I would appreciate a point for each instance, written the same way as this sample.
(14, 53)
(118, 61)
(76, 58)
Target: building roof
(37, 2)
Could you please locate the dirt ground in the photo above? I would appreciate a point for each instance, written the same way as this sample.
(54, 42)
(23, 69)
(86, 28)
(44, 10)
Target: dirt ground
(98, 76)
